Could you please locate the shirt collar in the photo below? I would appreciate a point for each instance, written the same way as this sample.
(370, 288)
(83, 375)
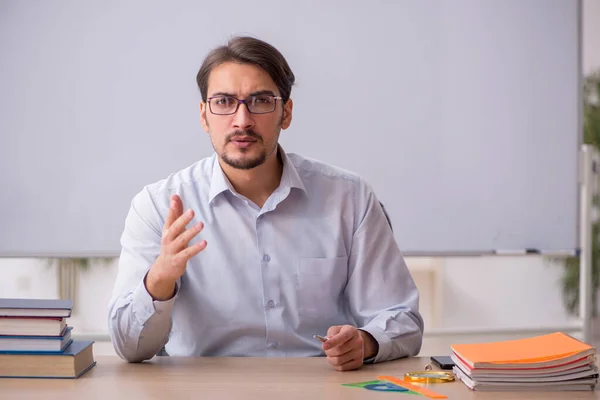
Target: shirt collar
(290, 176)
(219, 182)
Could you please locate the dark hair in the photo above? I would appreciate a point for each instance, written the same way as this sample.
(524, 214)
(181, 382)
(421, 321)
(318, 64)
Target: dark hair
(248, 50)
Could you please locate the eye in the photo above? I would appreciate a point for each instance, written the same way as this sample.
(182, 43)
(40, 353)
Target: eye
(224, 101)
(263, 100)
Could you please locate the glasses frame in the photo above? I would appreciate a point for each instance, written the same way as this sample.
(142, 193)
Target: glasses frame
(245, 102)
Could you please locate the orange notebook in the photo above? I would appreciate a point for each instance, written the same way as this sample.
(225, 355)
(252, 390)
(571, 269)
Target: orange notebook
(540, 351)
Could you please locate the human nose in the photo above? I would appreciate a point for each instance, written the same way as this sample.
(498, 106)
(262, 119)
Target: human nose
(242, 119)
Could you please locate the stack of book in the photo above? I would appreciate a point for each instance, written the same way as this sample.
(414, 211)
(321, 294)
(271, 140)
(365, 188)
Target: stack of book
(35, 340)
(554, 362)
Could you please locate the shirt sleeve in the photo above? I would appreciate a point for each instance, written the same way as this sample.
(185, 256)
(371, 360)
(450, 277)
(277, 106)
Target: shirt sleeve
(138, 325)
(381, 293)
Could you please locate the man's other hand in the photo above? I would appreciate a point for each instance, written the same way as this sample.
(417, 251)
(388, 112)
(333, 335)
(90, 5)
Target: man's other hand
(347, 347)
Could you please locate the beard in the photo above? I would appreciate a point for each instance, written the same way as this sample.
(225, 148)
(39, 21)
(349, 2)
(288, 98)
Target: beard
(245, 163)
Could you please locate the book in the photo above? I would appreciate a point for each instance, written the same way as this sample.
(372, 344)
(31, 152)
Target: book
(74, 361)
(532, 371)
(585, 384)
(32, 326)
(554, 362)
(24, 344)
(35, 308)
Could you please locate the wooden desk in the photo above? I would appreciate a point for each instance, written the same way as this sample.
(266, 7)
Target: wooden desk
(238, 378)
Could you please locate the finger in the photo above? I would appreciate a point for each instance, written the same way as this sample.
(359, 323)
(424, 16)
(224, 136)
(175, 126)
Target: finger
(350, 365)
(334, 330)
(178, 205)
(172, 215)
(345, 358)
(183, 256)
(177, 227)
(182, 240)
(352, 344)
(346, 333)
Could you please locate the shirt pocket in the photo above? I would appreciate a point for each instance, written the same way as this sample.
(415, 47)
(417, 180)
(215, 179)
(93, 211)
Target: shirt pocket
(321, 284)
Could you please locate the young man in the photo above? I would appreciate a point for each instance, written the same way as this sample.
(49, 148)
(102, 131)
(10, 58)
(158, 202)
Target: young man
(253, 251)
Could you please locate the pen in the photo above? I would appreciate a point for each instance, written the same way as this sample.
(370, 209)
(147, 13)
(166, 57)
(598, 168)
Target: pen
(320, 338)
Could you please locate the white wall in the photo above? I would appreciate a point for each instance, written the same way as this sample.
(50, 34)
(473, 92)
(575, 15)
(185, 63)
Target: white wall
(501, 292)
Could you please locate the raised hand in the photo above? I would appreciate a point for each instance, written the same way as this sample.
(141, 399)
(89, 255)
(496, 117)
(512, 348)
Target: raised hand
(174, 251)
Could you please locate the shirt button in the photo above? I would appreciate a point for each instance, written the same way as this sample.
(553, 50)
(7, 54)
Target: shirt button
(271, 304)
(266, 258)
(273, 345)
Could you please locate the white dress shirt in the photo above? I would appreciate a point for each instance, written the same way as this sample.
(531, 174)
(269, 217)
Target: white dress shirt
(318, 253)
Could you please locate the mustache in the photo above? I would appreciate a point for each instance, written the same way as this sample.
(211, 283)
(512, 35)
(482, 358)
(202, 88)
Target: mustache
(247, 132)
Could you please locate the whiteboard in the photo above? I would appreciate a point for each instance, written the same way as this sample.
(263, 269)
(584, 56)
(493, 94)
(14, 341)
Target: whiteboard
(463, 116)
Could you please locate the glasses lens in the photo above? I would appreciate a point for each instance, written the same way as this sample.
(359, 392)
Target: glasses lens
(261, 104)
(223, 105)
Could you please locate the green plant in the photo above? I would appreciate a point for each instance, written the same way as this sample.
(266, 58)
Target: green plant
(591, 135)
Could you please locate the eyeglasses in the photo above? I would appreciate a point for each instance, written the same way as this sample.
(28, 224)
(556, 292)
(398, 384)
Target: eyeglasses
(228, 105)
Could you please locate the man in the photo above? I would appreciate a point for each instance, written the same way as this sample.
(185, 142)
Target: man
(253, 251)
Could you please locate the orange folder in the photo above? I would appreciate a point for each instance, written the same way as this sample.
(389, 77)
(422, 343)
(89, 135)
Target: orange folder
(541, 351)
